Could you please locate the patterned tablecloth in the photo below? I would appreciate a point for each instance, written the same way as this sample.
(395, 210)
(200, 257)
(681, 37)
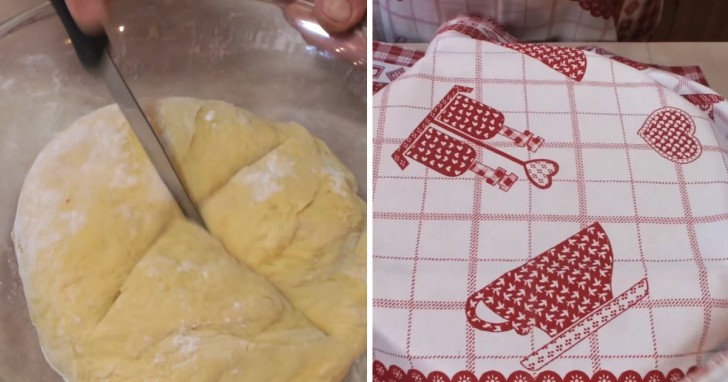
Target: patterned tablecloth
(545, 214)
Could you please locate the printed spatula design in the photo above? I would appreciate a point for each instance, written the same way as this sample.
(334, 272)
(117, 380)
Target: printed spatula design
(444, 141)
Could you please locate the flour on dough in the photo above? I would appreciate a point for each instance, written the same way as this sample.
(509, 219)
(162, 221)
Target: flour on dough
(122, 288)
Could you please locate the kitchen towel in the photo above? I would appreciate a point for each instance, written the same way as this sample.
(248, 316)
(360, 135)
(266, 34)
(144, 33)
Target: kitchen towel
(546, 214)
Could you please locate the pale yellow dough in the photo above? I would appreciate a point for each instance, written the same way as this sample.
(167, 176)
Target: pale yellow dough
(122, 288)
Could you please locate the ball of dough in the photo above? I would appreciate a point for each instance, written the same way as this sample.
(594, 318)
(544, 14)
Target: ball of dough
(122, 288)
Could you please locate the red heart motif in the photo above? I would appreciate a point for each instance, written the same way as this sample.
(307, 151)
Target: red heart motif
(540, 172)
(671, 132)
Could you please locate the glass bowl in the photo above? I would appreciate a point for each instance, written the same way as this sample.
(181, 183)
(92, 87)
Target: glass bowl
(240, 51)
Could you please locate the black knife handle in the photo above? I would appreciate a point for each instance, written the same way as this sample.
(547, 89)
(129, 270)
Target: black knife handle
(89, 49)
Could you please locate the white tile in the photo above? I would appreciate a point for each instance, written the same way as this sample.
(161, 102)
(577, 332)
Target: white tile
(711, 239)
(717, 279)
(398, 195)
(510, 97)
(396, 238)
(503, 239)
(445, 195)
(657, 200)
(709, 167)
(441, 281)
(685, 340)
(648, 166)
(552, 128)
(549, 98)
(628, 333)
(454, 65)
(514, 201)
(390, 328)
(638, 100)
(392, 278)
(609, 199)
(661, 278)
(509, 67)
(448, 336)
(444, 239)
(600, 129)
(605, 164)
(562, 198)
(595, 99)
(665, 242)
(708, 199)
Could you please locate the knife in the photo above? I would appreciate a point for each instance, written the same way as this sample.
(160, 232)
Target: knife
(93, 53)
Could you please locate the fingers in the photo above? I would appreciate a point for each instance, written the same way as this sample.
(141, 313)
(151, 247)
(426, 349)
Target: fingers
(90, 15)
(338, 16)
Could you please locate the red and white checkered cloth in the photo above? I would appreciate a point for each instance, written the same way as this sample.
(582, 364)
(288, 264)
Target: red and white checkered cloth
(546, 214)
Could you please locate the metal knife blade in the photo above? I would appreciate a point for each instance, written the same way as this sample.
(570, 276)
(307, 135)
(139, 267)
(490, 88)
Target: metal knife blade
(93, 53)
(147, 136)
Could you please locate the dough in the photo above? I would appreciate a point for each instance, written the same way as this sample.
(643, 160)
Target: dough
(122, 288)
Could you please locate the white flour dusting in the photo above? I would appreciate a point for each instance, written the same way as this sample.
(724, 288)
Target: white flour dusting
(121, 178)
(186, 266)
(210, 116)
(74, 220)
(186, 345)
(337, 179)
(265, 182)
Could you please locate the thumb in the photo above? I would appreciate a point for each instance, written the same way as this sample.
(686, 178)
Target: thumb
(90, 15)
(337, 16)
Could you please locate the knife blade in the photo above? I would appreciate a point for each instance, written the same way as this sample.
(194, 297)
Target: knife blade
(92, 51)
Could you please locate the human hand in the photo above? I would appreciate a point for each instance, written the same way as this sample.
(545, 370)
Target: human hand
(90, 15)
(337, 16)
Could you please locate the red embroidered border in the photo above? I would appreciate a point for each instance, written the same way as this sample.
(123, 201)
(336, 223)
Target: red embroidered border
(395, 374)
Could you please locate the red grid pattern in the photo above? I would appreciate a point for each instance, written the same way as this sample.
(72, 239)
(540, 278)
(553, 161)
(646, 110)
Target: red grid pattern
(472, 255)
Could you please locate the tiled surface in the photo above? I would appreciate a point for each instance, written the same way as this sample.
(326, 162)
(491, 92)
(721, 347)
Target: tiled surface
(711, 56)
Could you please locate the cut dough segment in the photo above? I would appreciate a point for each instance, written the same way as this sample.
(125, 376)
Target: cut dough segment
(189, 311)
(90, 206)
(304, 237)
(210, 140)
